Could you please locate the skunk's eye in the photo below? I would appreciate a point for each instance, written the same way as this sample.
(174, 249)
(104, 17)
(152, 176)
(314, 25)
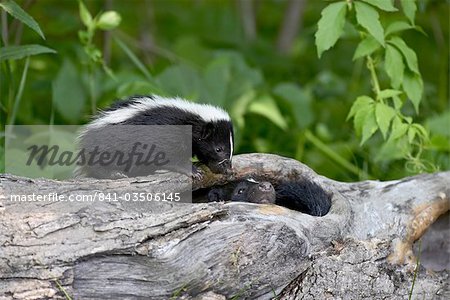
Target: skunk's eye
(219, 149)
(241, 191)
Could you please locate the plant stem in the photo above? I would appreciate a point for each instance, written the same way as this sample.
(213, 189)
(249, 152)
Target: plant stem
(19, 92)
(373, 75)
(91, 83)
(334, 156)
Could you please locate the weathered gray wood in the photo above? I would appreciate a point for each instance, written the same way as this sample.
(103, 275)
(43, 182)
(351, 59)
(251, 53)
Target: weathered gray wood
(121, 250)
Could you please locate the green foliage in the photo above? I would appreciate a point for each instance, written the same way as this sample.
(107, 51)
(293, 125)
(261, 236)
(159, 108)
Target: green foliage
(383, 112)
(19, 52)
(11, 53)
(294, 105)
(330, 27)
(17, 12)
(68, 96)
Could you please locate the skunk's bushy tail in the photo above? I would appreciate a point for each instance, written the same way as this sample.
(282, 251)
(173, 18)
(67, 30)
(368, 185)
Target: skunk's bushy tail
(304, 196)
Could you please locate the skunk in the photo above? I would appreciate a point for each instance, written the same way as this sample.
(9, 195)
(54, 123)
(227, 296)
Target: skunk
(212, 135)
(304, 196)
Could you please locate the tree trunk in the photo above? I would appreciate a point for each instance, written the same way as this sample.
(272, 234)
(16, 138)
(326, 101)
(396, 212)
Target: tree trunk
(161, 250)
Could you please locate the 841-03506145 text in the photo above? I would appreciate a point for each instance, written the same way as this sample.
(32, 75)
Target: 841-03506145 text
(97, 196)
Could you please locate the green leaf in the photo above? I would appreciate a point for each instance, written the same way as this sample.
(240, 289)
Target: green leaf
(216, 78)
(385, 5)
(240, 107)
(399, 128)
(413, 86)
(330, 27)
(69, 95)
(180, 80)
(361, 115)
(408, 53)
(360, 103)
(17, 12)
(397, 26)
(109, 20)
(409, 8)
(393, 150)
(411, 134)
(85, 16)
(366, 47)
(267, 107)
(384, 115)
(368, 18)
(369, 125)
(398, 103)
(300, 101)
(18, 52)
(388, 93)
(394, 66)
(421, 130)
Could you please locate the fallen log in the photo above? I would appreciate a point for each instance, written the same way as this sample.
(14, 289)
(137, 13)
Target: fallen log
(160, 250)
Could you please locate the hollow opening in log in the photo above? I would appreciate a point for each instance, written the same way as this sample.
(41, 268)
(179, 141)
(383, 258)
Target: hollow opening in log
(433, 247)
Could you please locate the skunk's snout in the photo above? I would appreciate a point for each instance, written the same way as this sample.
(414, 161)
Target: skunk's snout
(226, 164)
(222, 167)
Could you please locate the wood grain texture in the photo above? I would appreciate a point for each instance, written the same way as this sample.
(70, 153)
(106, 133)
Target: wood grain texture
(121, 250)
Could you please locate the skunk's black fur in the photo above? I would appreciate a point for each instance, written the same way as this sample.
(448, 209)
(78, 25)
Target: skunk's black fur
(212, 132)
(304, 196)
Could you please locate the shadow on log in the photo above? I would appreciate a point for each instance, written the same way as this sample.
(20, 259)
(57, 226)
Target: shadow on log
(159, 250)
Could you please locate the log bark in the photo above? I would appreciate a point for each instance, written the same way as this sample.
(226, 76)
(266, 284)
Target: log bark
(161, 250)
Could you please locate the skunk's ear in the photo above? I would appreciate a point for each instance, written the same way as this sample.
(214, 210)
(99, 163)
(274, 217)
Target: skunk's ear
(206, 131)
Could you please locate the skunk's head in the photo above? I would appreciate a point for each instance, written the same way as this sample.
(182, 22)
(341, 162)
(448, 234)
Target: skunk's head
(213, 145)
(255, 192)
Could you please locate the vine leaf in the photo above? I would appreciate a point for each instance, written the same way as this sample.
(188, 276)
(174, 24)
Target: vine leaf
(412, 131)
(384, 115)
(394, 66)
(385, 5)
(369, 126)
(397, 26)
(366, 47)
(330, 27)
(360, 103)
(388, 93)
(413, 86)
(399, 128)
(368, 17)
(408, 53)
(409, 8)
(17, 12)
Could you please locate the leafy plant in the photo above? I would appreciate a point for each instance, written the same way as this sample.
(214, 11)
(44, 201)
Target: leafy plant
(107, 20)
(9, 54)
(383, 49)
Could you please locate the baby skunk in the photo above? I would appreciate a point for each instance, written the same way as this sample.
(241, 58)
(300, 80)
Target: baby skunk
(304, 196)
(212, 134)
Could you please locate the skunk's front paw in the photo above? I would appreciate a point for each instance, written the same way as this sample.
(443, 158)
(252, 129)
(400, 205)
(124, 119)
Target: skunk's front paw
(197, 173)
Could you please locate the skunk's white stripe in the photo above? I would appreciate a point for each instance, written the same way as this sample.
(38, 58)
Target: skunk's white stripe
(231, 145)
(252, 180)
(207, 112)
